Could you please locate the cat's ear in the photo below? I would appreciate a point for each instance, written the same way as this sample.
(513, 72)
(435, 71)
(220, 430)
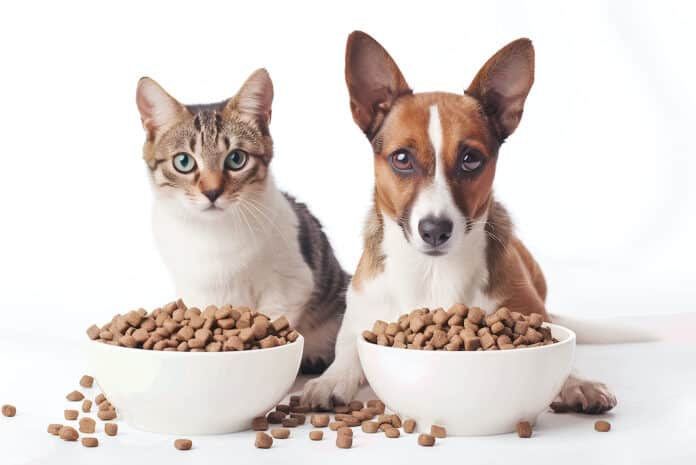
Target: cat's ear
(255, 97)
(374, 81)
(158, 110)
(503, 83)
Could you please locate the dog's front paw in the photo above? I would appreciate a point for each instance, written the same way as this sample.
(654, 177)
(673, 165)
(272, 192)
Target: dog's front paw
(330, 389)
(584, 396)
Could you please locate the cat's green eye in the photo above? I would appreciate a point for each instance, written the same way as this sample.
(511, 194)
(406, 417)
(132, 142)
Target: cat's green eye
(184, 163)
(236, 160)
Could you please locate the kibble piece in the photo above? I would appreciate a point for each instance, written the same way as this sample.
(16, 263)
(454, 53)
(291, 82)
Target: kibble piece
(9, 410)
(524, 429)
(183, 444)
(99, 399)
(87, 425)
(409, 425)
(316, 435)
(370, 426)
(86, 381)
(70, 414)
(535, 320)
(344, 441)
(475, 315)
(320, 420)
(376, 404)
(300, 417)
(427, 440)
(75, 396)
(259, 424)
(106, 405)
(345, 430)
(86, 405)
(280, 324)
(54, 428)
(280, 433)
(336, 425)
(111, 429)
(472, 343)
(106, 414)
(263, 441)
(68, 433)
(290, 422)
(276, 417)
(300, 409)
(438, 431)
(93, 332)
(602, 426)
(392, 433)
(89, 442)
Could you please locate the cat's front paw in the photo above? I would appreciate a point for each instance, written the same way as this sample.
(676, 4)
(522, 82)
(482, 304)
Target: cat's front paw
(330, 389)
(584, 396)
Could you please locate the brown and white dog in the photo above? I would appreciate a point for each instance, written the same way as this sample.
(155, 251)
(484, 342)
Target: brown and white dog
(436, 235)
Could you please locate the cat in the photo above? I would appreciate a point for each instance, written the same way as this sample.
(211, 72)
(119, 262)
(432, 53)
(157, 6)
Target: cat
(225, 231)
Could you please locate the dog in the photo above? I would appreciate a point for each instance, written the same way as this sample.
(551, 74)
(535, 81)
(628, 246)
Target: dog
(436, 235)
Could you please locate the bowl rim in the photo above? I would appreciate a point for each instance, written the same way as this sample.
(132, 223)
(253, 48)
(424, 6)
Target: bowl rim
(491, 353)
(174, 353)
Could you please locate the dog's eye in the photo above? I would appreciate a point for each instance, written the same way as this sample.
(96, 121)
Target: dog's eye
(401, 161)
(236, 160)
(471, 161)
(184, 163)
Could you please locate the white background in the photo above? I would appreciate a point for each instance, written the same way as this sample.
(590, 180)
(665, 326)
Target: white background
(599, 176)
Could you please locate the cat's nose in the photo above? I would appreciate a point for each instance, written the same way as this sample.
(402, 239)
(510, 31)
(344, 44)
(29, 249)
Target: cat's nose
(213, 194)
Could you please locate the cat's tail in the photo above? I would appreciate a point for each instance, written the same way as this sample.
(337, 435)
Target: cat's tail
(604, 330)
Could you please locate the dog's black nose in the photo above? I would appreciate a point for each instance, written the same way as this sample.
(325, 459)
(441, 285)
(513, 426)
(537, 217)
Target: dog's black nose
(213, 194)
(435, 231)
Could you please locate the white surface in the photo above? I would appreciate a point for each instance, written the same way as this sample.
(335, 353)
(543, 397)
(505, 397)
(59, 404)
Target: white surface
(598, 176)
(461, 387)
(652, 424)
(189, 393)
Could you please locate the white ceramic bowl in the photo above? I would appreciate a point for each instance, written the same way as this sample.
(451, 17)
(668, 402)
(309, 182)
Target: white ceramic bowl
(193, 392)
(470, 393)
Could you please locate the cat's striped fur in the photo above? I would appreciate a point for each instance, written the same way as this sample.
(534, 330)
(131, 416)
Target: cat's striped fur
(226, 232)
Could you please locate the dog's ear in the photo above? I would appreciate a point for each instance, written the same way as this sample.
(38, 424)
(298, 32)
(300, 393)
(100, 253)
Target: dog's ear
(374, 81)
(503, 83)
(158, 110)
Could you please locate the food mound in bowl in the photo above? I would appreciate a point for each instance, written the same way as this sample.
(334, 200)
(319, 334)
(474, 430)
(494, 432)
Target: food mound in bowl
(461, 328)
(176, 327)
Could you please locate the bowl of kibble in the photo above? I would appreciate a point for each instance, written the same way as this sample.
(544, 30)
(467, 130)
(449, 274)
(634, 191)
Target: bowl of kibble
(180, 370)
(473, 373)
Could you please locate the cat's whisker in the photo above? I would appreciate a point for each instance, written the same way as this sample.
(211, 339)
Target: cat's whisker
(259, 207)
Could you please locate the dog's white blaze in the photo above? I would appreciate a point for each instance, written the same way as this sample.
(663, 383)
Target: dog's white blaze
(436, 199)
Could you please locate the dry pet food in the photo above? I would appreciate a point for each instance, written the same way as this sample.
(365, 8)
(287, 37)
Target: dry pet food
(68, 433)
(426, 440)
(106, 415)
(89, 442)
(183, 444)
(461, 328)
(370, 426)
(344, 441)
(70, 414)
(290, 422)
(259, 424)
(9, 410)
(111, 429)
(409, 425)
(86, 381)
(54, 428)
(263, 441)
(602, 426)
(438, 431)
(316, 435)
(87, 425)
(335, 425)
(524, 429)
(392, 432)
(99, 399)
(320, 420)
(176, 327)
(280, 433)
(86, 405)
(75, 396)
